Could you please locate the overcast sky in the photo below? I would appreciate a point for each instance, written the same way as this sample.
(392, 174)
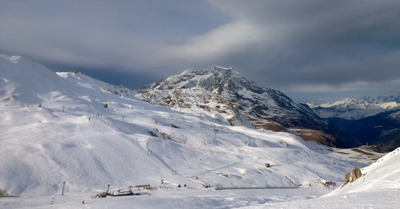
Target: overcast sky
(308, 49)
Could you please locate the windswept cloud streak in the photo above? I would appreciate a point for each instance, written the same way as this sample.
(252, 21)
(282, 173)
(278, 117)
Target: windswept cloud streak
(216, 44)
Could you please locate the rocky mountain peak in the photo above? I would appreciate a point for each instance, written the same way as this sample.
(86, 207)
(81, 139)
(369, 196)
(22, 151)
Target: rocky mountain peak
(227, 92)
(211, 78)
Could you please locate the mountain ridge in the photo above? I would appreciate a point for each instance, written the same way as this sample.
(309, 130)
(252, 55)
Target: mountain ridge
(356, 108)
(242, 102)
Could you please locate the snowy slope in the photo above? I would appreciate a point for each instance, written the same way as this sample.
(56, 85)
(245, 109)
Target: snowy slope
(68, 127)
(381, 175)
(378, 187)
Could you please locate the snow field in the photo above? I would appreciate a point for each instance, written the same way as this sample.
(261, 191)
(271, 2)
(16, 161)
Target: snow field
(56, 128)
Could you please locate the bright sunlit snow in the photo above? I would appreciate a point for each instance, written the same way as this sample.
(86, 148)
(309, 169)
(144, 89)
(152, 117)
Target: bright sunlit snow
(68, 127)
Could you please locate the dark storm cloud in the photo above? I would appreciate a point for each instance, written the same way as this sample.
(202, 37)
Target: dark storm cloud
(112, 34)
(335, 43)
(295, 46)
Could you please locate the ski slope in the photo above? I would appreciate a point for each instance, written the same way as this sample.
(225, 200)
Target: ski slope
(68, 127)
(378, 187)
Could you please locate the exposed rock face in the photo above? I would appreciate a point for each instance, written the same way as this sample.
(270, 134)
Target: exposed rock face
(352, 176)
(241, 102)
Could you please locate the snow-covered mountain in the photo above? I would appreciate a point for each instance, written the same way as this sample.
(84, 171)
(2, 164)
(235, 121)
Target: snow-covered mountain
(68, 127)
(352, 108)
(239, 101)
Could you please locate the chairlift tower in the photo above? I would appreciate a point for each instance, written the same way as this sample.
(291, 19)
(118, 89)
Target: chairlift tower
(215, 130)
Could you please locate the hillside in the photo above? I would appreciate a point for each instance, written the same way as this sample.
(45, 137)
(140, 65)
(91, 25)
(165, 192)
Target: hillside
(382, 175)
(378, 187)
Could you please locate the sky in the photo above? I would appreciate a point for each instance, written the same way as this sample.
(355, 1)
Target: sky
(311, 50)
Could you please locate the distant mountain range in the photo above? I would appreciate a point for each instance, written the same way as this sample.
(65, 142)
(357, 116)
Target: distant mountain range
(241, 102)
(365, 120)
(352, 108)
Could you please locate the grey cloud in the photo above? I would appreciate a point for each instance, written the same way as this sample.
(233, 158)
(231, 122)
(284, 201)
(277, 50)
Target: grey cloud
(123, 34)
(282, 44)
(331, 42)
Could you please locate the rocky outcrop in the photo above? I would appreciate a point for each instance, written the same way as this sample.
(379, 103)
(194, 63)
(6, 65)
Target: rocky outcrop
(352, 176)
